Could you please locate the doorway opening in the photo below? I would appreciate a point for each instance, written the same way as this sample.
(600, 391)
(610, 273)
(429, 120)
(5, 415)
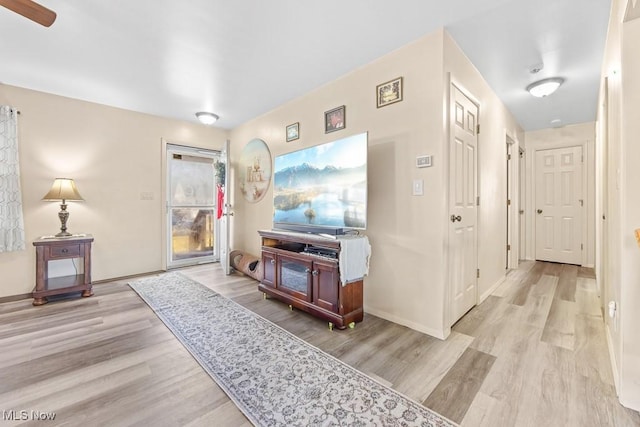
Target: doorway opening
(514, 193)
(522, 205)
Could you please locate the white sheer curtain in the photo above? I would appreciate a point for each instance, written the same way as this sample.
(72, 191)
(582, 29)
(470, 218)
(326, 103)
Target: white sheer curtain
(11, 221)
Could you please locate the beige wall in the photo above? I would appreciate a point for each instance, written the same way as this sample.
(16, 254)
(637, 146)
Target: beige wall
(608, 202)
(630, 275)
(113, 155)
(407, 280)
(618, 174)
(582, 135)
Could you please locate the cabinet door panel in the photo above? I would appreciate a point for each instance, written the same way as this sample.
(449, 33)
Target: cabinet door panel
(325, 285)
(294, 276)
(269, 265)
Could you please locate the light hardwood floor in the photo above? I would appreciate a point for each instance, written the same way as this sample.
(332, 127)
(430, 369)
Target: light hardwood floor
(534, 353)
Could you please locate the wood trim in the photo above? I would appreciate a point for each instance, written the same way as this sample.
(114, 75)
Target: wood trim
(12, 298)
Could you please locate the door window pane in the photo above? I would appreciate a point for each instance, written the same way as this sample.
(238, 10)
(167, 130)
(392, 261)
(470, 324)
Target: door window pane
(191, 233)
(192, 182)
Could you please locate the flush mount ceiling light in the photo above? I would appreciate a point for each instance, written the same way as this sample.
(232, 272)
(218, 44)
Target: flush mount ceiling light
(207, 118)
(545, 87)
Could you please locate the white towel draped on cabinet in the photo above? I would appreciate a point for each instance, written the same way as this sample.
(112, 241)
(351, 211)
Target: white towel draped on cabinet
(355, 252)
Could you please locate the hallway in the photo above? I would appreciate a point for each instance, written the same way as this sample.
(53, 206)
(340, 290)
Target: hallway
(544, 326)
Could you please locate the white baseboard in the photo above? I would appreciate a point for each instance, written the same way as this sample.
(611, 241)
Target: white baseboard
(630, 404)
(622, 397)
(495, 286)
(442, 335)
(612, 358)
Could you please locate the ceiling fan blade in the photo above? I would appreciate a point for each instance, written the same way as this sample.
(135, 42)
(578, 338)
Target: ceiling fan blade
(31, 10)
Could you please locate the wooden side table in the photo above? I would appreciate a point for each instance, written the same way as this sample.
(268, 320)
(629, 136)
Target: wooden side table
(51, 249)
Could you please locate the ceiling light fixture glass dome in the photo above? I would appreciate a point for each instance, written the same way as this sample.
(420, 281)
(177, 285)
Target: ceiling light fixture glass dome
(207, 118)
(545, 87)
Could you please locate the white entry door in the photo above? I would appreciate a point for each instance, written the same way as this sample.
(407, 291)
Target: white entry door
(192, 226)
(224, 210)
(463, 209)
(559, 205)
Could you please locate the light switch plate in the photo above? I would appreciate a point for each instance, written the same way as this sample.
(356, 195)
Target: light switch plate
(418, 187)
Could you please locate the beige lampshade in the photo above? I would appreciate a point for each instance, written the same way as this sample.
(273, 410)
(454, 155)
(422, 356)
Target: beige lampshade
(63, 189)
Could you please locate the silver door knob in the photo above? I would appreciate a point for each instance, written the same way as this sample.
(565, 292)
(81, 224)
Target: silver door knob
(539, 211)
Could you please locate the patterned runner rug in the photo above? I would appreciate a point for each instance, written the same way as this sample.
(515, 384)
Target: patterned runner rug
(275, 378)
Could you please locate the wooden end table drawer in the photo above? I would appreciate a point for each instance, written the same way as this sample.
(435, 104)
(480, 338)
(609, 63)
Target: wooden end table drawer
(66, 251)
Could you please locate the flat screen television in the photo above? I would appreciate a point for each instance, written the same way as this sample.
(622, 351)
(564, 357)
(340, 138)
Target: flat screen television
(322, 189)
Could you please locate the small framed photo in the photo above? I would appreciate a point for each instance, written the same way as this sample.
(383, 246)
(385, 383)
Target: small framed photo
(293, 132)
(335, 119)
(389, 93)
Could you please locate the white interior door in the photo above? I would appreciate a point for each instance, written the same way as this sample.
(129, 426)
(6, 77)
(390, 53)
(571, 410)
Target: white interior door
(559, 205)
(463, 209)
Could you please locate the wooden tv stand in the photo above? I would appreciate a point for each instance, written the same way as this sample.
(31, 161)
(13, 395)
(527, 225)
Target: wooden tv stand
(309, 282)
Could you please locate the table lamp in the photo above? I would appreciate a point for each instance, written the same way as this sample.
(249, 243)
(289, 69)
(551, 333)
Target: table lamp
(63, 189)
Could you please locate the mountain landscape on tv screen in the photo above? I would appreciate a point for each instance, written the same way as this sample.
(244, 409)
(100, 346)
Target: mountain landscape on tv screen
(305, 194)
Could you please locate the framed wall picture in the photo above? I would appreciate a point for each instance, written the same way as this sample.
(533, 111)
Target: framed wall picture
(293, 132)
(389, 93)
(335, 119)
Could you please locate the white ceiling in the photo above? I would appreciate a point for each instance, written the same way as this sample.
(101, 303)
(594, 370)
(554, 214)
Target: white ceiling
(240, 59)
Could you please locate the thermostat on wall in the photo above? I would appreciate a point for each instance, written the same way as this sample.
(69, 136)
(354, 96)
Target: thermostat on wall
(423, 161)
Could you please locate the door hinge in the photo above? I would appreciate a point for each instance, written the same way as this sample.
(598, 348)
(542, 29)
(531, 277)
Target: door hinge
(478, 273)
(581, 202)
(478, 128)
(508, 202)
(508, 247)
(581, 247)
(508, 156)
(478, 201)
